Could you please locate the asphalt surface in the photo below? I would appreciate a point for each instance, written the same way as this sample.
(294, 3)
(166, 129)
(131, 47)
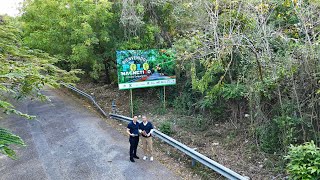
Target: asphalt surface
(69, 141)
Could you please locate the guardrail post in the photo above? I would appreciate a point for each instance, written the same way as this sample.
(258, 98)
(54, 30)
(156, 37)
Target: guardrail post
(194, 162)
(114, 107)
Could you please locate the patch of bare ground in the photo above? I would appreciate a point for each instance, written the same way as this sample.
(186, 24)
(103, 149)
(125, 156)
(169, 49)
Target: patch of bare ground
(226, 143)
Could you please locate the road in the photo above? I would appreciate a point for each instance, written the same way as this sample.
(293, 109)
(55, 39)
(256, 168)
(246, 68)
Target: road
(69, 141)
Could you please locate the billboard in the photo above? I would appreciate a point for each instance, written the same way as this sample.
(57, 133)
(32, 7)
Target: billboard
(145, 68)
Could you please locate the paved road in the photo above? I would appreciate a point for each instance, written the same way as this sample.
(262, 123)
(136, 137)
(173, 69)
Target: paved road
(69, 141)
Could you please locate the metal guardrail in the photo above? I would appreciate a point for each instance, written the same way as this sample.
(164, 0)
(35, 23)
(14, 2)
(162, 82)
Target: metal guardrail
(226, 172)
(87, 96)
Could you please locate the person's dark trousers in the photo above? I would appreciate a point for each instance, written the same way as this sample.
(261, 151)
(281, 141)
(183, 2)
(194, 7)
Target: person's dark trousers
(133, 146)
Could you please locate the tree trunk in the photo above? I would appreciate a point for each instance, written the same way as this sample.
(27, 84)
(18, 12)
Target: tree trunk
(106, 68)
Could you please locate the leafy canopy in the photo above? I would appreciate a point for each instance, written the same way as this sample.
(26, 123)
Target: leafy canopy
(24, 72)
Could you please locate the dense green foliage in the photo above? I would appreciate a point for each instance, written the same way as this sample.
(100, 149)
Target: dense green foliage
(259, 59)
(85, 34)
(76, 32)
(166, 127)
(24, 72)
(304, 161)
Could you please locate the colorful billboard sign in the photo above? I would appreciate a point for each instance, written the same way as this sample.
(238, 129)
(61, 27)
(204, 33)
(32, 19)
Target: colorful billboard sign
(145, 68)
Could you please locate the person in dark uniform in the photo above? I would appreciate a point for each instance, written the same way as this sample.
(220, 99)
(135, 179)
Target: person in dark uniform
(133, 131)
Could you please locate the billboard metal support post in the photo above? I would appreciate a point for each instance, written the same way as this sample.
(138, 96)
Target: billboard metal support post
(131, 103)
(164, 97)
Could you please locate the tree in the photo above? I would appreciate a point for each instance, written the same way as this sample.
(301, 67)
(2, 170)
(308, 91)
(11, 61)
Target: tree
(264, 54)
(86, 34)
(24, 72)
(76, 32)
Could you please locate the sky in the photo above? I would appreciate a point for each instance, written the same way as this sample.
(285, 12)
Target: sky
(9, 7)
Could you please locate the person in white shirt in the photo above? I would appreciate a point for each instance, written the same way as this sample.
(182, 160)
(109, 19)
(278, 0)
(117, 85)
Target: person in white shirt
(146, 129)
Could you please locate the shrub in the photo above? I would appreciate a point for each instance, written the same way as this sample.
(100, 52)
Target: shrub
(160, 110)
(269, 138)
(137, 106)
(304, 161)
(166, 128)
(279, 133)
(182, 104)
